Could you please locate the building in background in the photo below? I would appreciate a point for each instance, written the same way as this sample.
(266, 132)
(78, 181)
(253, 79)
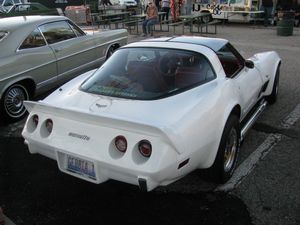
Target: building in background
(64, 3)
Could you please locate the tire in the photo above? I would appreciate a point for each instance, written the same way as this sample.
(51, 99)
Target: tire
(272, 98)
(206, 19)
(12, 107)
(109, 53)
(227, 155)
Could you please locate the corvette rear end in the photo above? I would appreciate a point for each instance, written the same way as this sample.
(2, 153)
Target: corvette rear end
(97, 148)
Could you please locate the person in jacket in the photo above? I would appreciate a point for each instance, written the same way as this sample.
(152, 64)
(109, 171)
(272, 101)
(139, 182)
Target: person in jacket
(151, 18)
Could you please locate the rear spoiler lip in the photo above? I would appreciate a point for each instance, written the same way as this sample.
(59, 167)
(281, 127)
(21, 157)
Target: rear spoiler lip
(108, 121)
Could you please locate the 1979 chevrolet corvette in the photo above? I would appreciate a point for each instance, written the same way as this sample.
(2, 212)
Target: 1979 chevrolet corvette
(155, 111)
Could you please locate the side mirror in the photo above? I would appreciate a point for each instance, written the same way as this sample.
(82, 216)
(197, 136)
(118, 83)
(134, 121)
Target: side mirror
(249, 64)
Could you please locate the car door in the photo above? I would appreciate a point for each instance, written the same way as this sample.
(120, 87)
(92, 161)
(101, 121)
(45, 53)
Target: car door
(247, 81)
(74, 50)
(36, 60)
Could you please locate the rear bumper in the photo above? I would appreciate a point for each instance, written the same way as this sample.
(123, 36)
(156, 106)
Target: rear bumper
(145, 179)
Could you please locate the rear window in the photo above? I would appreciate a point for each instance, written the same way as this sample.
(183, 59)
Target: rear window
(3, 34)
(149, 73)
(34, 40)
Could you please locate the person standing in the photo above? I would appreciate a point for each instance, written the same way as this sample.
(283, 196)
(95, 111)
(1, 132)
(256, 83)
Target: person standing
(296, 8)
(267, 7)
(157, 3)
(165, 8)
(285, 5)
(151, 18)
(106, 2)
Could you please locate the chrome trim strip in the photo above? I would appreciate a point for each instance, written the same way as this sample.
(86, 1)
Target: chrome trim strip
(252, 120)
(82, 66)
(43, 35)
(88, 49)
(114, 42)
(20, 73)
(45, 82)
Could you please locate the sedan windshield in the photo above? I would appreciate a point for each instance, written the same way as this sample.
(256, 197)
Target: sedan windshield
(149, 73)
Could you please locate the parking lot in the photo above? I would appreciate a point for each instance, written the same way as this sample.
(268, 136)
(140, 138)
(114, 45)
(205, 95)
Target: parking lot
(264, 190)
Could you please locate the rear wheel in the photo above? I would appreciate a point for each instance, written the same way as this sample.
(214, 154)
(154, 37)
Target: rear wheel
(206, 19)
(227, 155)
(272, 98)
(12, 107)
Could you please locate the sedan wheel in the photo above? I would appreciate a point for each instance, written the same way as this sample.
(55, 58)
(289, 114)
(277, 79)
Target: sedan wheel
(12, 103)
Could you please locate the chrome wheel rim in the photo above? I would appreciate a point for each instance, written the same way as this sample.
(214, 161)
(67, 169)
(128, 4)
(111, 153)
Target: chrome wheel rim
(276, 87)
(13, 101)
(230, 150)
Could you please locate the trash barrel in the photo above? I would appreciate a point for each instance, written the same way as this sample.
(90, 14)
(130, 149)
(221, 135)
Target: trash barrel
(80, 14)
(285, 23)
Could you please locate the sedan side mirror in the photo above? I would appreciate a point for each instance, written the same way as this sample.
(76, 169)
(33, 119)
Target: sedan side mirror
(249, 64)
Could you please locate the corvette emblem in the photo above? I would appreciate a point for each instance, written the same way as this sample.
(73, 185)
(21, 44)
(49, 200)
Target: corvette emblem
(80, 136)
(100, 106)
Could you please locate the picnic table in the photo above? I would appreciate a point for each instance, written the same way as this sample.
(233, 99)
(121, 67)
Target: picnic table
(200, 19)
(141, 17)
(109, 18)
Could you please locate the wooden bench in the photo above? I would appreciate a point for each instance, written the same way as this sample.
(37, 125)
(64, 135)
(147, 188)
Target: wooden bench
(132, 25)
(100, 22)
(175, 24)
(115, 21)
(211, 23)
(164, 22)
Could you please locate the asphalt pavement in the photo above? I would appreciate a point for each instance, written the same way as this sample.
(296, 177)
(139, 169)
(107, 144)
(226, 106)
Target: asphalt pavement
(267, 192)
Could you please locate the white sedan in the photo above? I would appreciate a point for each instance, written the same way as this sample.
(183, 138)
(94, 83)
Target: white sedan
(155, 111)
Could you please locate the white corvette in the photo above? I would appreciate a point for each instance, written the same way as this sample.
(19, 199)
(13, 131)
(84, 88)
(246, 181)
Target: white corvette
(155, 111)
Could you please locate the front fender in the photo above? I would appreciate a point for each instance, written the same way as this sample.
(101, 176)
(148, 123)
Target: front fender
(267, 63)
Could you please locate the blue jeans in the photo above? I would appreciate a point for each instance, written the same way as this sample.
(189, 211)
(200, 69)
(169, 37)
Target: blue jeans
(147, 24)
(267, 14)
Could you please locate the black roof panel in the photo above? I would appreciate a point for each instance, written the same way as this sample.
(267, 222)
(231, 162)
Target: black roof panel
(213, 43)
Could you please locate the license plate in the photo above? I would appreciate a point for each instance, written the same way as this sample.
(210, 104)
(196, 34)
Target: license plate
(80, 166)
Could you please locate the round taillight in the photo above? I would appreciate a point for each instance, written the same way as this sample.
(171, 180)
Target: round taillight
(35, 120)
(145, 148)
(121, 143)
(49, 125)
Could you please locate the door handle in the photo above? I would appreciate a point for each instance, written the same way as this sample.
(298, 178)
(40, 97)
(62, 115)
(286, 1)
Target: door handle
(57, 49)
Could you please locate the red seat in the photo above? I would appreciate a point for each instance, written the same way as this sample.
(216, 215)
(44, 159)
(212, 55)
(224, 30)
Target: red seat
(186, 76)
(147, 76)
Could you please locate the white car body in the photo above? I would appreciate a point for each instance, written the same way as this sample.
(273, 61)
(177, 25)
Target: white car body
(184, 129)
(124, 2)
